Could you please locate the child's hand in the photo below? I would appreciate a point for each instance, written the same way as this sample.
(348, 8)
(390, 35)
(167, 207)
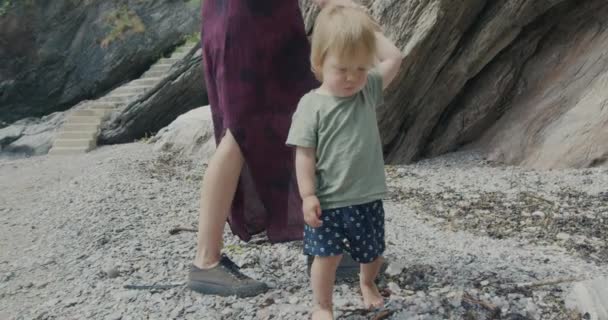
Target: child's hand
(312, 211)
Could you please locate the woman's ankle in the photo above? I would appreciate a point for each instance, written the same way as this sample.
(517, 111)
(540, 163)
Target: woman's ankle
(205, 263)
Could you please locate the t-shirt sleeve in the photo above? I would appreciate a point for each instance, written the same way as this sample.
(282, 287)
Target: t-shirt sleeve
(303, 130)
(373, 88)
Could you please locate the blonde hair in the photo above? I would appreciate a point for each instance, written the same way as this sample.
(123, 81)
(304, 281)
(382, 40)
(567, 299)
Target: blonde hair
(345, 31)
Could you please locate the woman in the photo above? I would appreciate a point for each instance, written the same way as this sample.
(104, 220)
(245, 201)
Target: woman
(256, 58)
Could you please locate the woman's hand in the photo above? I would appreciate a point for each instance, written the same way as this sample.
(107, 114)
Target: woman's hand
(312, 211)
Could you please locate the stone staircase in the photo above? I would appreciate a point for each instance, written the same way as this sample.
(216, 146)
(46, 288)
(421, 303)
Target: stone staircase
(81, 127)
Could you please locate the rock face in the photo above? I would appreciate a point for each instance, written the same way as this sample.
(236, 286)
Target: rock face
(525, 80)
(54, 54)
(180, 91)
(558, 113)
(30, 136)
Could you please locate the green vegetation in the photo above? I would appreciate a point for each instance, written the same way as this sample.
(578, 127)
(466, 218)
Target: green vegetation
(122, 21)
(5, 5)
(194, 4)
(192, 38)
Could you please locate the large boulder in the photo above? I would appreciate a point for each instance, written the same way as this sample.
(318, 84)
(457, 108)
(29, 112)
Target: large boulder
(590, 297)
(190, 136)
(54, 54)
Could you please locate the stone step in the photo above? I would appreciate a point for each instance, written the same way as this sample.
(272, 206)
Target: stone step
(68, 150)
(183, 49)
(73, 119)
(77, 135)
(103, 105)
(80, 127)
(120, 98)
(132, 88)
(188, 45)
(97, 104)
(120, 95)
(146, 81)
(164, 67)
(129, 91)
(169, 60)
(178, 55)
(154, 74)
(74, 143)
(89, 113)
(161, 65)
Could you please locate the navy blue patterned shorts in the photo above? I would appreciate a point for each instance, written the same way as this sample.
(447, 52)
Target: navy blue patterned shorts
(357, 229)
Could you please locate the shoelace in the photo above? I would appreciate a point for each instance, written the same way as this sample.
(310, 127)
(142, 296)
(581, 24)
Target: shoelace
(232, 268)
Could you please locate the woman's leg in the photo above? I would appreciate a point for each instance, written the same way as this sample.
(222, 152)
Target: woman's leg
(211, 273)
(217, 191)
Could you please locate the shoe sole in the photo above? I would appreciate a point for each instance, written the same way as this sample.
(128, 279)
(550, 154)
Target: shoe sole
(219, 290)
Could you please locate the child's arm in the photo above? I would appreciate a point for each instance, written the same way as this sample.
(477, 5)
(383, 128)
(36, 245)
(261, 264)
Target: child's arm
(305, 172)
(390, 59)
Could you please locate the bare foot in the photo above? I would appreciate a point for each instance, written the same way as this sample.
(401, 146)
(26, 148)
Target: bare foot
(371, 296)
(322, 314)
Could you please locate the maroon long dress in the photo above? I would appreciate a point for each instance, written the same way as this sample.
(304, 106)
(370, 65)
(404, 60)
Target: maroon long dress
(256, 60)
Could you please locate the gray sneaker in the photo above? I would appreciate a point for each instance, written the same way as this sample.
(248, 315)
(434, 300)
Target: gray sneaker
(225, 279)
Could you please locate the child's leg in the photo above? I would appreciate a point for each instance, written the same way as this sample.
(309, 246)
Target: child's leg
(323, 277)
(371, 296)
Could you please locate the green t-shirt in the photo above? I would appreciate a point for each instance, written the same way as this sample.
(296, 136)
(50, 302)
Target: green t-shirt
(344, 132)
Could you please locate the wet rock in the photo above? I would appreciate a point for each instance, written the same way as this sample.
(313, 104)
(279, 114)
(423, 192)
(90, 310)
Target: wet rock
(590, 297)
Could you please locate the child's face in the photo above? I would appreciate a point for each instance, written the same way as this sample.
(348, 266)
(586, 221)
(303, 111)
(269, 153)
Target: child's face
(345, 77)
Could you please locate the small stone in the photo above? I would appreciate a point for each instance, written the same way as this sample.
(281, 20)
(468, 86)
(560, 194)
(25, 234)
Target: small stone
(70, 303)
(394, 269)
(538, 214)
(455, 298)
(177, 312)
(394, 288)
(7, 277)
(563, 236)
(294, 300)
(409, 292)
(111, 272)
(484, 283)
(126, 296)
(114, 316)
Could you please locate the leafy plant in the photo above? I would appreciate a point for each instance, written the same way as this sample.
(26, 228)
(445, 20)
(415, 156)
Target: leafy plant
(122, 21)
(192, 38)
(5, 5)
